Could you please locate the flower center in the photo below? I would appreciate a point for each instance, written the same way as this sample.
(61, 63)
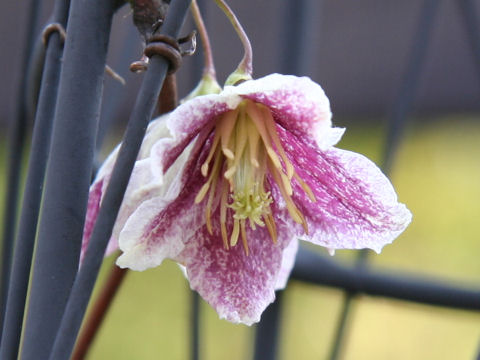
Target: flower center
(245, 148)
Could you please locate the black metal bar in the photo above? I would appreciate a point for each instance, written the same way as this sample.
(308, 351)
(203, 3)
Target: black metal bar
(34, 76)
(321, 270)
(118, 92)
(195, 326)
(469, 11)
(68, 172)
(267, 331)
(396, 124)
(410, 82)
(24, 243)
(141, 115)
(342, 325)
(301, 18)
(16, 148)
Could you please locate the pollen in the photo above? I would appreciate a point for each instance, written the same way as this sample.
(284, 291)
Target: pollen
(245, 149)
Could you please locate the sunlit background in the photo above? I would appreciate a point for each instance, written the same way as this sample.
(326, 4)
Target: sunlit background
(359, 54)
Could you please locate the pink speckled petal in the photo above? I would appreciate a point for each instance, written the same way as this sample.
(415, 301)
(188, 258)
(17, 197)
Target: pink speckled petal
(237, 286)
(160, 225)
(356, 206)
(297, 103)
(97, 190)
(185, 123)
(141, 187)
(93, 208)
(142, 241)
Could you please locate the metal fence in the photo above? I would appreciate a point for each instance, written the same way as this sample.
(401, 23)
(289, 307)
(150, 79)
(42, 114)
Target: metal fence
(61, 162)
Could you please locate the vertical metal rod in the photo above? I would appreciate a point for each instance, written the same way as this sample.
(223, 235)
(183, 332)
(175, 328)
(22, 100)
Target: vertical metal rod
(268, 331)
(118, 92)
(141, 115)
(301, 19)
(469, 11)
(195, 326)
(411, 80)
(396, 124)
(25, 239)
(16, 148)
(68, 172)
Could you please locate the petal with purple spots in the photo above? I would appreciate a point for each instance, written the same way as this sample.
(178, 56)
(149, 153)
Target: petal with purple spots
(356, 206)
(237, 286)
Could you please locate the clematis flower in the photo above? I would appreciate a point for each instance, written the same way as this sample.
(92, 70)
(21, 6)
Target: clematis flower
(260, 172)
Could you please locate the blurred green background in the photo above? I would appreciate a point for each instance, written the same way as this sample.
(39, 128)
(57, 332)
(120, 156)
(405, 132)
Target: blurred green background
(437, 174)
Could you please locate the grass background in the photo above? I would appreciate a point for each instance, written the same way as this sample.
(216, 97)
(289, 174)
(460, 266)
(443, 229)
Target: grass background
(437, 174)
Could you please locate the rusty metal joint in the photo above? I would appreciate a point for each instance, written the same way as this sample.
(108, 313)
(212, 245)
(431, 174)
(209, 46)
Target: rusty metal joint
(167, 47)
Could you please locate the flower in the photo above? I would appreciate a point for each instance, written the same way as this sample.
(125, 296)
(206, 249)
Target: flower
(260, 172)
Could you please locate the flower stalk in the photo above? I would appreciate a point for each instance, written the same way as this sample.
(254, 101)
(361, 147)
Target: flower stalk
(208, 83)
(208, 67)
(244, 69)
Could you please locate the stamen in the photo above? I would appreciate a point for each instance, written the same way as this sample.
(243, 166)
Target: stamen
(208, 208)
(253, 137)
(296, 215)
(286, 184)
(225, 127)
(204, 168)
(241, 137)
(244, 237)
(235, 232)
(203, 191)
(230, 172)
(271, 227)
(223, 214)
(272, 131)
(258, 120)
(305, 188)
(215, 171)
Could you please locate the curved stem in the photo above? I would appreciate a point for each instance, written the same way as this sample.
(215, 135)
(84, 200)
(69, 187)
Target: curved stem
(99, 310)
(209, 67)
(245, 65)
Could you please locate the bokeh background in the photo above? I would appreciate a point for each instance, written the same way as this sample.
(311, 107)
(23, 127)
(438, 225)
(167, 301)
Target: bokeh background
(358, 52)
